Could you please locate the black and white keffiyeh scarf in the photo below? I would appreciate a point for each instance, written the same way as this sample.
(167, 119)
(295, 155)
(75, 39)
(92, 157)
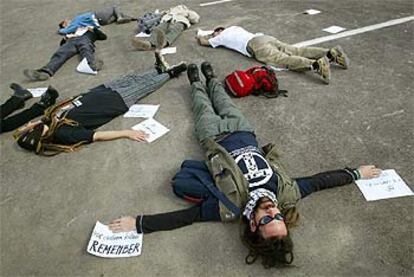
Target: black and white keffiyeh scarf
(254, 196)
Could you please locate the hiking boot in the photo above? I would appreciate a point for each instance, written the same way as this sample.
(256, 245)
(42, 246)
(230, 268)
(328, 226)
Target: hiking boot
(20, 92)
(161, 64)
(176, 70)
(160, 41)
(339, 57)
(49, 97)
(324, 70)
(36, 75)
(141, 45)
(192, 73)
(208, 71)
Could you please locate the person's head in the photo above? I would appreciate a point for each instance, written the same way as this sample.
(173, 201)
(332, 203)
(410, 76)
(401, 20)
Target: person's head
(30, 136)
(64, 23)
(217, 31)
(266, 235)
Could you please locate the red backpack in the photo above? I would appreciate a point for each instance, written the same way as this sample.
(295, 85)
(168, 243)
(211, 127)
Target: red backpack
(257, 80)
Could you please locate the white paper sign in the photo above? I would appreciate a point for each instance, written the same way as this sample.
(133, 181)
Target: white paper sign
(142, 35)
(84, 67)
(312, 12)
(202, 33)
(153, 128)
(168, 50)
(388, 185)
(104, 243)
(146, 111)
(37, 92)
(333, 29)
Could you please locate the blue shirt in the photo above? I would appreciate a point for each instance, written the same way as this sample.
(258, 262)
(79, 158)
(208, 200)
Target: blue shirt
(82, 20)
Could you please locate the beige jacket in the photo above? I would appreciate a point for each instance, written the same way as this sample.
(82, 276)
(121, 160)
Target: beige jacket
(181, 14)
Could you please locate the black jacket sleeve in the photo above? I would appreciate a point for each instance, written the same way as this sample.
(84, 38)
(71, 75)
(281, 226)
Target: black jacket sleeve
(168, 221)
(325, 180)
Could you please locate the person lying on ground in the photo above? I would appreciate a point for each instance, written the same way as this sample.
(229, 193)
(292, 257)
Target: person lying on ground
(173, 23)
(72, 123)
(270, 50)
(238, 179)
(17, 101)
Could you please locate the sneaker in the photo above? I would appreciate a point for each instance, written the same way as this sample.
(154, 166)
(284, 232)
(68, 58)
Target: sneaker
(49, 97)
(160, 41)
(339, 56)
(175, 70)
(98, 65)
(192, 73)
(141, 45)
(208, 71)
(161, 64)
(36, 75)
(20, 92)
(324, 69)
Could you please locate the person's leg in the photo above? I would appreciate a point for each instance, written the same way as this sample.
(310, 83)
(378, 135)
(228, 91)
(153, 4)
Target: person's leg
(12, 104)
(173, 32)
(15, 121)
(106, 15)
(65, 52)
(86, 49)
(313, 53)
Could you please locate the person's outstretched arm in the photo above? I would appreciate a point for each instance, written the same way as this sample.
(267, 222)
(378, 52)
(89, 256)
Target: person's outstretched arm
(335, 178)
(157, 222)
(112, 135)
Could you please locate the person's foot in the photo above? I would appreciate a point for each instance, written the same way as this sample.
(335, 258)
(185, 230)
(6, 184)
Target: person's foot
(208, 71)
(324, 69)
(175, 70)
(161, 64)
(160, 41)
(339, 57)
(192, 73)
(20, 92)
(49, 97)
(98, 65)
(141, 45)
(124, 19)
(36, 75)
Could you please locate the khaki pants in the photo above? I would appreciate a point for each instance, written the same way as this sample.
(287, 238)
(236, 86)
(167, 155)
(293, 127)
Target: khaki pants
(214, 112)
(269, 50)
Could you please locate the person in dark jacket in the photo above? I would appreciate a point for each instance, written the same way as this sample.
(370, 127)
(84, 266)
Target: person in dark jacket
(71, 123)
(248, 176)
(17, 101)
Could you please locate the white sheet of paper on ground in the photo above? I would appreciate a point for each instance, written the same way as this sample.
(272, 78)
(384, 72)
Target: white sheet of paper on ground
(37, 92)
(203, 33)
(84, 67)
(104, 243)
(388, 185)
(334, 29)
(312, 12)
(139, 110)
(278, 69)
(169, 50)
(143, 35)
(153, 128)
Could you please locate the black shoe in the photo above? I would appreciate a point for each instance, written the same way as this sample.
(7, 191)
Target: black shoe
(192, 73)
(36, 75)
(49, 97)
(208, 71)
(161, 64)
(20, 92)
(175, 70)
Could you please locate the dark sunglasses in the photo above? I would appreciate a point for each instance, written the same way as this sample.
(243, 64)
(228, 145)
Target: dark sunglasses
(267, 219)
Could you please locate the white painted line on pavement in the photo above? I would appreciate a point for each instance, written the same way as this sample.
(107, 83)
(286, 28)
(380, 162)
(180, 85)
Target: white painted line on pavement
(355, 31)
(215, 2)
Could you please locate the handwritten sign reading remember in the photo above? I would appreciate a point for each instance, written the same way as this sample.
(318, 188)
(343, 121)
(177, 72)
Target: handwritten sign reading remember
(104, 243)
(388, 185)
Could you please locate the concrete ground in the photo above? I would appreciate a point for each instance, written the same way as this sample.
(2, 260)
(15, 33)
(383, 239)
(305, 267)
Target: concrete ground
(365, 116)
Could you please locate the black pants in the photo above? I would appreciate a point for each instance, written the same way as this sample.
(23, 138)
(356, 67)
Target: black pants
(81, 45)
(9, 123)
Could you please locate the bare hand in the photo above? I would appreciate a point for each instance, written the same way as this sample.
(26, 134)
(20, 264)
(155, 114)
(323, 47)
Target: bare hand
(137, 135)
(369, 171)
(123, 224)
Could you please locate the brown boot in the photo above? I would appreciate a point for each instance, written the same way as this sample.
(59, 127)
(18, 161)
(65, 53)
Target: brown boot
(141, 45)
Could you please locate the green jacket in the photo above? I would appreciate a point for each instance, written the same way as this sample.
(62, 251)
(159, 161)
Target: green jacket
(230, 180)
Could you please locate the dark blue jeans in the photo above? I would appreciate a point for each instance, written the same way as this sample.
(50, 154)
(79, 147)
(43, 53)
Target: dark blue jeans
(81, 45)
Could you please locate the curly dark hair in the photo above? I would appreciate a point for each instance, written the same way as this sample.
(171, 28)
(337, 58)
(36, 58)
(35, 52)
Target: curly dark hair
(274, 252)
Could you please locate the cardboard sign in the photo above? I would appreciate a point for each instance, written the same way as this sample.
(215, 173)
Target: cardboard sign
(105, 244)
(37, 92)
(153, 128)
(84, 67)
(142, 110)
(388, 185)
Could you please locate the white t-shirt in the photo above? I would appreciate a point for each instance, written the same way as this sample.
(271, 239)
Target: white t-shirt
(235, 38)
